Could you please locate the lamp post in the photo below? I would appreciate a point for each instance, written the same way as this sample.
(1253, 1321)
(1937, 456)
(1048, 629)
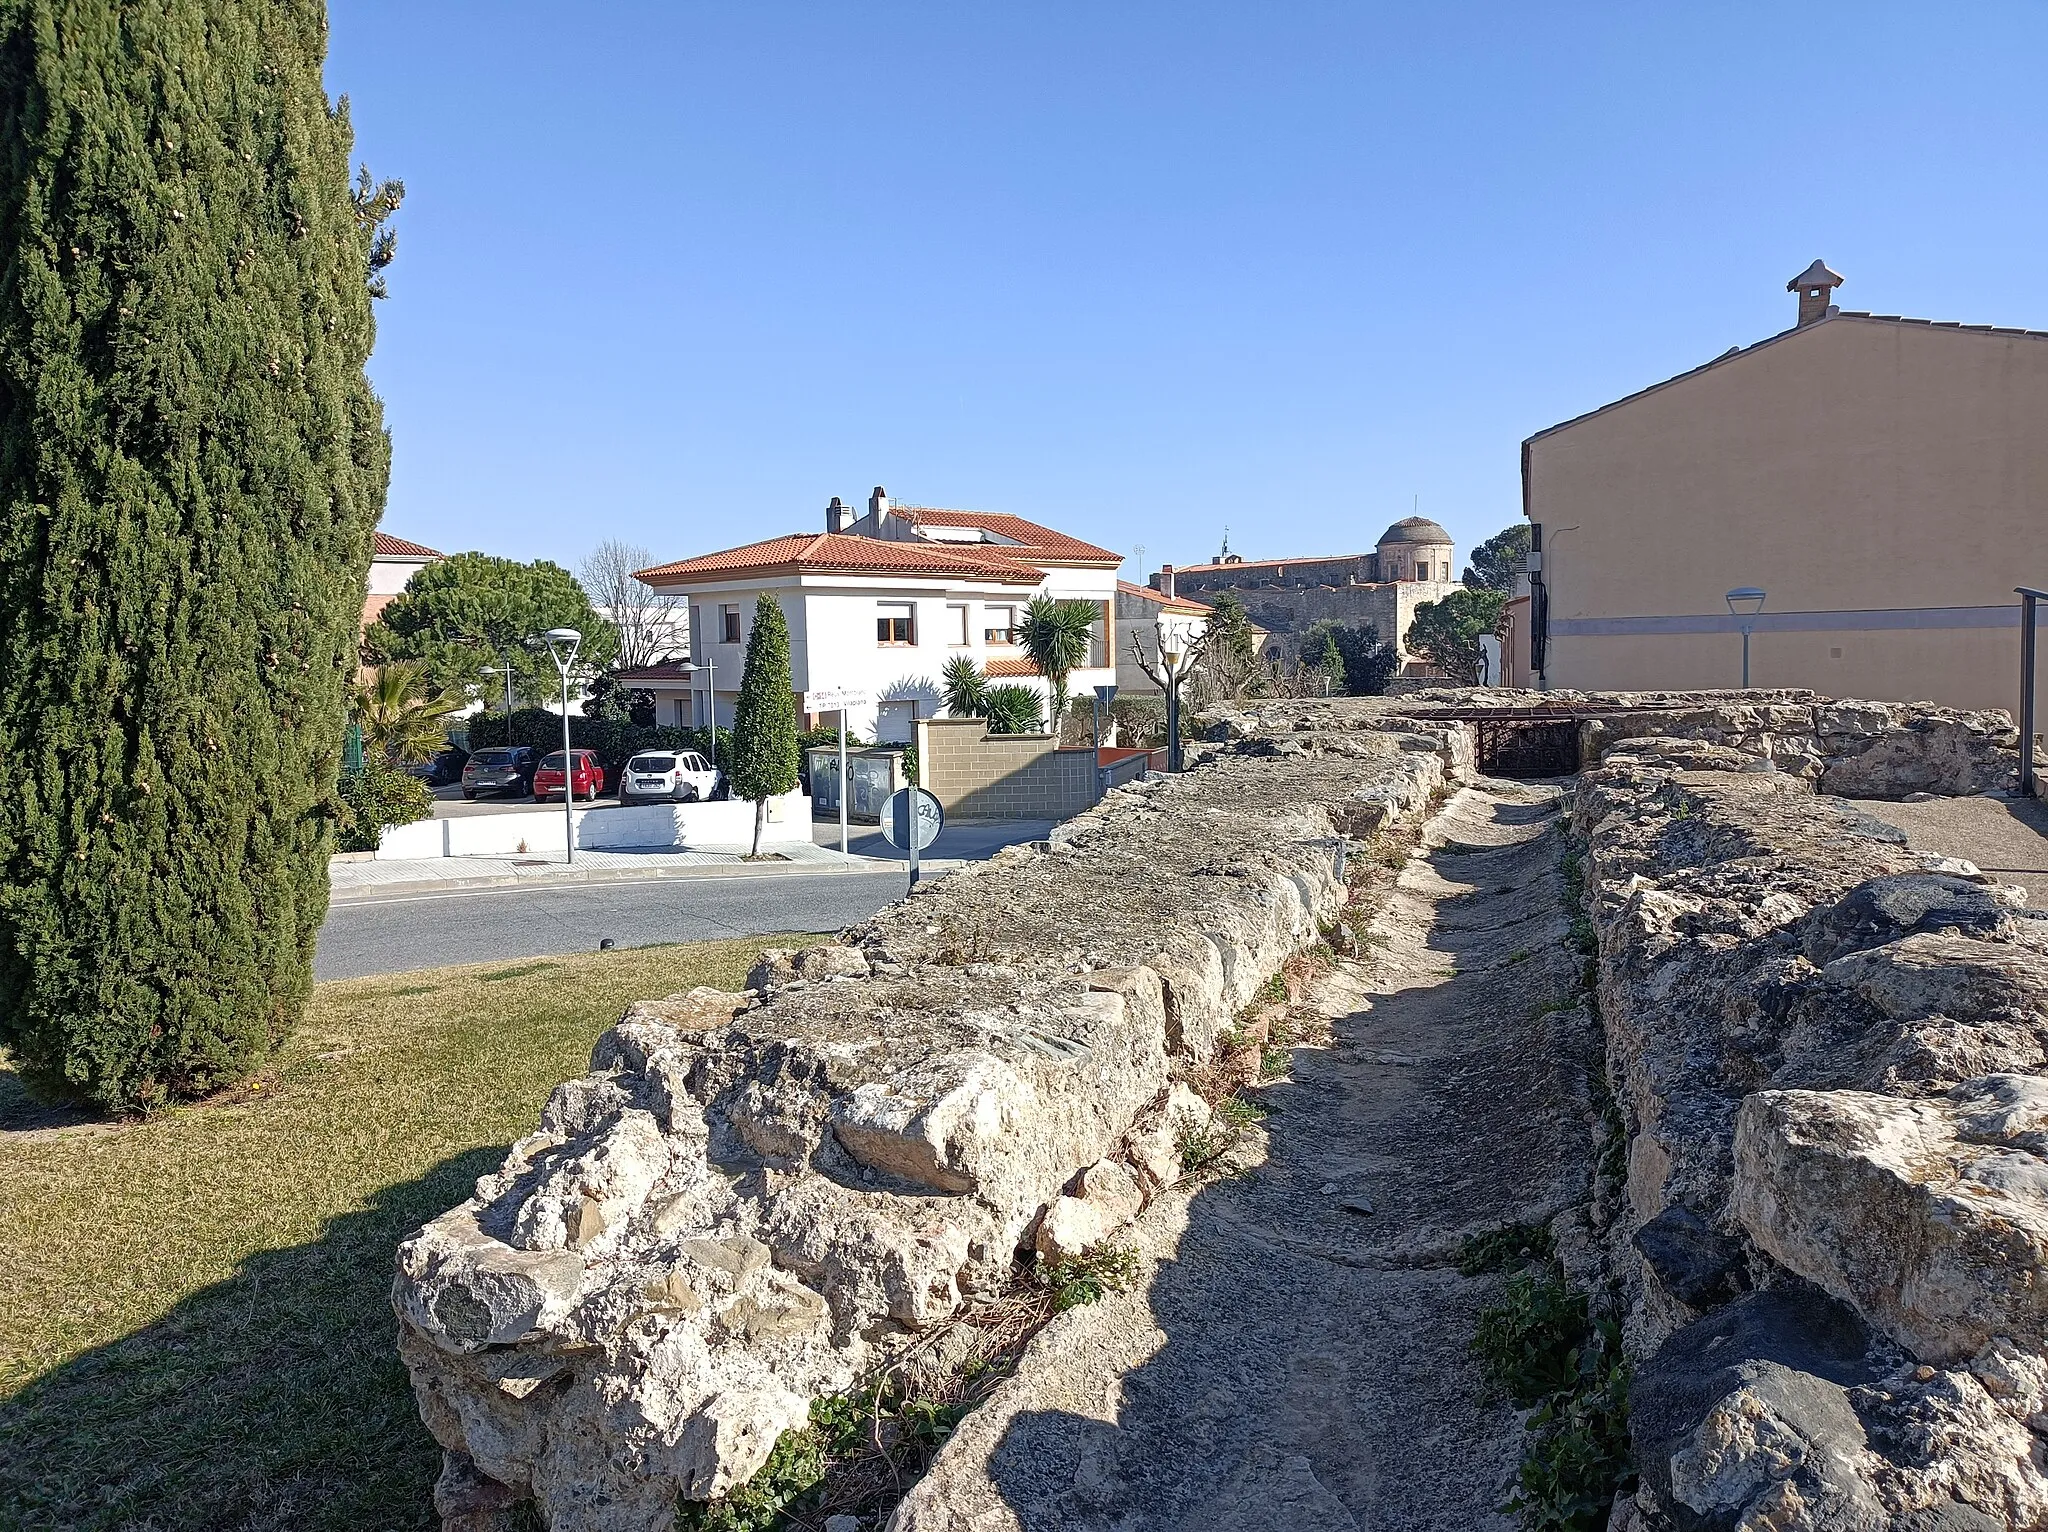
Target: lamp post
(1172, 638)
(506, 672)
(562, 644)
(1745, 601)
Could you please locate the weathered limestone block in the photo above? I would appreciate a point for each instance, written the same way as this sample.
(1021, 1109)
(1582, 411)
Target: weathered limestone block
(1930, 1217)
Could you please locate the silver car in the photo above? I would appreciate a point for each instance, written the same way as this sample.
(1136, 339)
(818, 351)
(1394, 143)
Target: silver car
(669, 776)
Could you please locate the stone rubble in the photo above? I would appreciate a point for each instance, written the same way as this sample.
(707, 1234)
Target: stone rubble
(755, 1199)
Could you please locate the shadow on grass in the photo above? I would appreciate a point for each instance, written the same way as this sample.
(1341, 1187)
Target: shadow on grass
(272, 1400)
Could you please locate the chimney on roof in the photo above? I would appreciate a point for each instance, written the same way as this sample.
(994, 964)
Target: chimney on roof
(838, 515)
(878, 507)
(1816, 288)
(1164, 581)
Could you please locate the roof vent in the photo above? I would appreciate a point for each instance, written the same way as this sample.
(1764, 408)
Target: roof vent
(838, 515)
(878, 506)
(1816, 288)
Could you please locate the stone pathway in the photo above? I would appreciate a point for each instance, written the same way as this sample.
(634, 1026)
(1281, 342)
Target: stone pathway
(1298, 1362)
(2005, 837)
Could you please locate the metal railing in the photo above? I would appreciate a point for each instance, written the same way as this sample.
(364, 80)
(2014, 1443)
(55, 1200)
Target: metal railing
(2030, 600)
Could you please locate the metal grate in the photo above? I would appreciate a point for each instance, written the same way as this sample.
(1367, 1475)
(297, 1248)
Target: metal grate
(1528, 747)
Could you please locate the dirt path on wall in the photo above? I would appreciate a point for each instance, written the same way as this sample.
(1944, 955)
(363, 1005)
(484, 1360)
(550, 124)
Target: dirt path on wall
(1298, 1362)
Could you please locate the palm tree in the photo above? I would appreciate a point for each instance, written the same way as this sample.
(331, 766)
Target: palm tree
(966, 687)
(1056, 634)
(399, 716)
(1012, 709)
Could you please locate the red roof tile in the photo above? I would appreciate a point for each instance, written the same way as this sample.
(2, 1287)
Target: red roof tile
(843, 553)
(1031, 539)
(389, 547)
(666, 670)
(1007, 668)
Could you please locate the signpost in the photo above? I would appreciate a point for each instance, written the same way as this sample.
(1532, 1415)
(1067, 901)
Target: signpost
(914, 829)
(837, 700)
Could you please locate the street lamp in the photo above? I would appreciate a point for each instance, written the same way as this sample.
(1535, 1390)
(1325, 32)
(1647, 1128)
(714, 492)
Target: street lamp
(1173, 641)
(562, 644)
(506, 672)
(1745, 601)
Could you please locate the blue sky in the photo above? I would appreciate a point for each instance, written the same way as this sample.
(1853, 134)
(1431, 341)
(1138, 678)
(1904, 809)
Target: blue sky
(678, 273)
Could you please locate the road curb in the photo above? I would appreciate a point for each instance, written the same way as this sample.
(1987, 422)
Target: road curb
(375, 892)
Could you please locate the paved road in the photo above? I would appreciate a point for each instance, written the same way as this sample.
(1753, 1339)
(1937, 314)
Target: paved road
(486, 925)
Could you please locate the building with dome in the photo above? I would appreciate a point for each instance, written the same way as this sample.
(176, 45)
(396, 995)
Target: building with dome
(1413, 562)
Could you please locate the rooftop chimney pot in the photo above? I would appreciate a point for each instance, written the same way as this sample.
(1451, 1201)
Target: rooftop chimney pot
(1165, 581)
(1816, 288)
(878, 507)
(838, 515)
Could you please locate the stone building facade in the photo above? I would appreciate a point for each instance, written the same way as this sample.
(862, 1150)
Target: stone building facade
(1413, 562)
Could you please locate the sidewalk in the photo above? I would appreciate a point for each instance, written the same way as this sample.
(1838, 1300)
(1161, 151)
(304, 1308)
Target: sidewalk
(390, 879)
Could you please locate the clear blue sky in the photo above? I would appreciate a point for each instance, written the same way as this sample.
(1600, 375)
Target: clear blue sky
(680, 272)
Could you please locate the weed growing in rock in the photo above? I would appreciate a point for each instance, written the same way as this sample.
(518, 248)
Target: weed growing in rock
(1109, 1267)
(1528, 1343)
(1582, 937)
(1202, 1144)
(1540, 1348)
(1507, 1248)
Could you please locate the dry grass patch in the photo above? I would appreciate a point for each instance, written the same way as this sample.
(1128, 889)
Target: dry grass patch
(194, 1329)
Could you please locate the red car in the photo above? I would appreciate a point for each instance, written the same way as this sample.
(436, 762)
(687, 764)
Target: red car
(547, 777)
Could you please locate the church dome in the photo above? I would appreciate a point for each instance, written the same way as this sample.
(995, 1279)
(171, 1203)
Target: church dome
(1414, 529)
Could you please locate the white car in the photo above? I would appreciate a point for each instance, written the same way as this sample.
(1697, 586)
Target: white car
(673, 776)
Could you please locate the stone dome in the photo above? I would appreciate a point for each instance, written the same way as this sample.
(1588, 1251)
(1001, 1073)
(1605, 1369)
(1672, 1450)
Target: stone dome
(1414, 529)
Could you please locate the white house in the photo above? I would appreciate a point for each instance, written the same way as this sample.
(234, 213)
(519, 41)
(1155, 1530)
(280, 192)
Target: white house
(393, 561)
(879, 603)
(1141, 615)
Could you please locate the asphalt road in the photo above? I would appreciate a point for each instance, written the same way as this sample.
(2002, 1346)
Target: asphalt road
(487, 925)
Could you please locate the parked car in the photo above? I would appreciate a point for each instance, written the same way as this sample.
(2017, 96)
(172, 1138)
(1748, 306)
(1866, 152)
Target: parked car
(588, 783)
(500, 769)
(442, 769)
(675, 776)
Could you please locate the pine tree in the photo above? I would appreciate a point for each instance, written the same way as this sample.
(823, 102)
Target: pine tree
(191, 465)
(764, 746)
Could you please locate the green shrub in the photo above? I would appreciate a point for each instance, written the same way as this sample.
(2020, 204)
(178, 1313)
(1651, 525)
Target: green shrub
(377, 797)
(192, 464)
(1109, 1267)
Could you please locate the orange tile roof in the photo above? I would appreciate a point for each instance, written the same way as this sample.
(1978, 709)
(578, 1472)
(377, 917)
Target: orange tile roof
(1007, 668)
(1032, 540)
(665, 670)
(389, 547)
(844, 553)
(1147, 593)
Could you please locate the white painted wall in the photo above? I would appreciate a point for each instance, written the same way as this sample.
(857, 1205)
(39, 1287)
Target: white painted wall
(653, 826)
(388, 575)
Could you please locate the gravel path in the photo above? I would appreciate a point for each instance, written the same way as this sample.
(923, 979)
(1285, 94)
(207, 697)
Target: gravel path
(1298, 1362)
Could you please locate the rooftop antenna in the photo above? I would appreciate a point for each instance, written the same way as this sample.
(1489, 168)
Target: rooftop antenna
(1224, 556)
(1138, 559)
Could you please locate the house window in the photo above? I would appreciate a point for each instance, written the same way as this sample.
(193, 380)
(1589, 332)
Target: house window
(1002, 625)
(896, 625)
(956, 626)
(728, 624)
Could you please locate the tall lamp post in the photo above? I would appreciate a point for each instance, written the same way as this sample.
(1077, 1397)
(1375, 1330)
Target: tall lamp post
(506, 672)
(562, 646)
(1173, 640)
(1745, 601)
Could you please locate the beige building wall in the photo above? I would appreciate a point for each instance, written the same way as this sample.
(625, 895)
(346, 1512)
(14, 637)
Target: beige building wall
(1886, 482)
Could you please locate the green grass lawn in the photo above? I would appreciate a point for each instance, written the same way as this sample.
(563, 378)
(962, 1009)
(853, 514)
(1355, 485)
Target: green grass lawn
(194, 1325)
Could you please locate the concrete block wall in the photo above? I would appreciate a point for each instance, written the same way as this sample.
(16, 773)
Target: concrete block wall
(978, 775)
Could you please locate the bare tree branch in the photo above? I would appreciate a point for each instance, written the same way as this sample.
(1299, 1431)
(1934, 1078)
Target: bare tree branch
(651, 627)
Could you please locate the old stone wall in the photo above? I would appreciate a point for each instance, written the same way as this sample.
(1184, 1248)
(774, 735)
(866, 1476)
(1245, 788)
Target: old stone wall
(1826, 1054)
(753, 1199)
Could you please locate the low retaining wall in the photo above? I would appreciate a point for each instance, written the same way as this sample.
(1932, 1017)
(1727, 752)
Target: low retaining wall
(978, 775)
(648, 826)
(755, 1198)
(1831, 1225)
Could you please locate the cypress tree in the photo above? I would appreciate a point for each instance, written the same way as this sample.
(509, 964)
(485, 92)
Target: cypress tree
(764, 745)
(191, 466)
